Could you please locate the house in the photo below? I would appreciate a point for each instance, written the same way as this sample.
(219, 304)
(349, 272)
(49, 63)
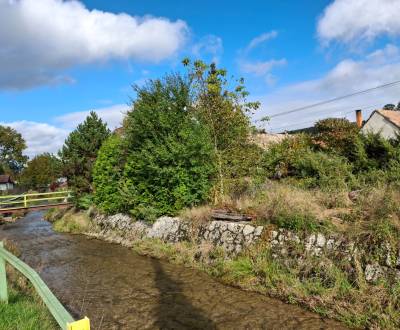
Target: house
(384, 122)
(6, 183)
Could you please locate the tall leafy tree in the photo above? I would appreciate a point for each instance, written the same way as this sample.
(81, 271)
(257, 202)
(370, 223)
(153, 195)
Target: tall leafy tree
(12, 146)
(107, 174)
(41, 171)
(224, 109)
(79, 152)
(170, 158)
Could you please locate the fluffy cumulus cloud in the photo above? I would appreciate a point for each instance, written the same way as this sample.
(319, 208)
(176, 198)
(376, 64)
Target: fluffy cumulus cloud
(41, 38)
(40, 137)
(348, 76)
(113, 116)
(45, 137)
(359, 20)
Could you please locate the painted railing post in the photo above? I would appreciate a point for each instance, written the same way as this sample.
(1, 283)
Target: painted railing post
(25, 202)
(3, 279)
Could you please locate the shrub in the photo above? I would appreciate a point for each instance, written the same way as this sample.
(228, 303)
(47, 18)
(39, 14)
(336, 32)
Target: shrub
(293, 157)
(336, 135)
(170, 161)
(278, 158)
(107, 173)
(317, 169)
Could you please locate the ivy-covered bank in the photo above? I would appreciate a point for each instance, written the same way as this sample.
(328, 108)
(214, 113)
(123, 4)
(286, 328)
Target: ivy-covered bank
(324, 272)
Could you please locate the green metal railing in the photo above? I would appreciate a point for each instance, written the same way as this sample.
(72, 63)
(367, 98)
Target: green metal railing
(61, 315)
(26, 201)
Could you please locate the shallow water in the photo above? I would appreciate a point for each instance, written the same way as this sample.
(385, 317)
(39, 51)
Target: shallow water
(118, 289)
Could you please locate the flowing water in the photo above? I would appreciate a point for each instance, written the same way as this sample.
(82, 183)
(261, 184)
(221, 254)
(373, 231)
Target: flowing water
(118, 289)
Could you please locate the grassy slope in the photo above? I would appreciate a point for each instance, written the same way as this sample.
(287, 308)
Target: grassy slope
(24, 312)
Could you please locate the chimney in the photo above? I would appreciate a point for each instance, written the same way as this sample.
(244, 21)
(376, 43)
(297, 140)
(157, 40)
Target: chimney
(359, 118)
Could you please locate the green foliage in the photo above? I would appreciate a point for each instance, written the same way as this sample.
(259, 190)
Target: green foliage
(318, 169)
(389, 107)
(84, 201)
(225, 111)
(170, 156)
(107, 173)
(12, 146)
(297, 222)
(79, 153)
(41, 171)
(375, 152)
(294, 157)
(336, 135)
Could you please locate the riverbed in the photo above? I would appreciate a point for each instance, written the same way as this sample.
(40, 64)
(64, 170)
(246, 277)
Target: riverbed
(119, 289)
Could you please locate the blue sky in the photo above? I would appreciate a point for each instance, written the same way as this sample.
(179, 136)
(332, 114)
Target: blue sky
(60, 59)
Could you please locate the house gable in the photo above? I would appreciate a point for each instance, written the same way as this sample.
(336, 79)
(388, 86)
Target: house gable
(379, 124)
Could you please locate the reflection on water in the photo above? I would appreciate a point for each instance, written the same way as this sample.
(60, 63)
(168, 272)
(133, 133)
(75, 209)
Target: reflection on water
(118, 289)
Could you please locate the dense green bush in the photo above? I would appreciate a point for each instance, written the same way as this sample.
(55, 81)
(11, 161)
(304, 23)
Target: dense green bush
(170, 162)
(107, 173)
(294, 157)
(336, 135)
(326, 171)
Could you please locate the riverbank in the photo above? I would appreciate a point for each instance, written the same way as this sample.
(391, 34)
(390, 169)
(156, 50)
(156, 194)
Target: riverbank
(119, 289)
(24, 310)
(325, 273)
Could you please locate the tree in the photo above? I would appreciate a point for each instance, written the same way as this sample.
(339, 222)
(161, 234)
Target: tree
(107, 173)
(336, 135)
(79, 153)
(41, 171)
(170, 156)
(12, 146)
(398, 107)
(389, 107)
(226, 114)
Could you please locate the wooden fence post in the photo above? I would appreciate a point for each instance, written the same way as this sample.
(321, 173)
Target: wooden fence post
(25, 202)
(3, 279)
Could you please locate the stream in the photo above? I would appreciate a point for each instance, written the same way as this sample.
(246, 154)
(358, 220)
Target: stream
(119, 289)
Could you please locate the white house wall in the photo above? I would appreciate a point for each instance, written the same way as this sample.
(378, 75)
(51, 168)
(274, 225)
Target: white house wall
(379, 124)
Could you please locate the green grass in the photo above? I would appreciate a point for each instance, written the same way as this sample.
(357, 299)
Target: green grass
(24, 312)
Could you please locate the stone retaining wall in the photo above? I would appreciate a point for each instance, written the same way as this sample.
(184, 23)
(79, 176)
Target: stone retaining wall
(233, 237)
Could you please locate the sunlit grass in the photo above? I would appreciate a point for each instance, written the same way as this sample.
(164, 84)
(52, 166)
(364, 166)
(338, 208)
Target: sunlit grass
(24, 312)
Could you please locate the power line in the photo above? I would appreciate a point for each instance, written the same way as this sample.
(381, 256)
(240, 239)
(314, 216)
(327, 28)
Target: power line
(335, 99)
(365, 108)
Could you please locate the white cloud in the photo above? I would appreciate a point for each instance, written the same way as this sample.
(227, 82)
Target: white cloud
(113, 116)
(40, 137)
(359, 20)
(41, 38)
(209, 45)
(44, 137)
(348, 76)
(261, 39)
(260, 68)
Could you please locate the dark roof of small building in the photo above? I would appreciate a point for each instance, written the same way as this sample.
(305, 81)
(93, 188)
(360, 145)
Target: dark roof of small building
(4, 178)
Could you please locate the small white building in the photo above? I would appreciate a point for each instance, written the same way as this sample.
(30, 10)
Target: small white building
(6, 183)
(383, 122)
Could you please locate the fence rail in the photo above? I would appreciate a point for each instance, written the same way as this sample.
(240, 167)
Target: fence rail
(34, 200)
(60, 314)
